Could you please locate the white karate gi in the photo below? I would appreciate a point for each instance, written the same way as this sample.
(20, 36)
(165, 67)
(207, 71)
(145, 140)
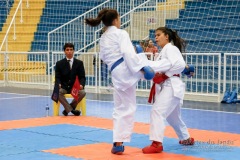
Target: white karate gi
(115, 44)
(169, 97)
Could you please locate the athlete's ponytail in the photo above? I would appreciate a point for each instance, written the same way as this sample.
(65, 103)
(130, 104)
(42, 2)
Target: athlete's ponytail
(107, 16)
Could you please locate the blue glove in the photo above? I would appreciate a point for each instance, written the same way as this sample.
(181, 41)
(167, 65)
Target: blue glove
(148, 72)
(139, 49)
(189, 70)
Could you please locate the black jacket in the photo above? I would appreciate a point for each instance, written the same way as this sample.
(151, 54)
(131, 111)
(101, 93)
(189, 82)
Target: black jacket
(66, 77)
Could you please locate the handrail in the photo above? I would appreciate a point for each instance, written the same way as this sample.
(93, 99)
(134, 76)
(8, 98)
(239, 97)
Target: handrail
(77, 17)
(13, 20)
(82, 15)
(135, 8)
(96, 40)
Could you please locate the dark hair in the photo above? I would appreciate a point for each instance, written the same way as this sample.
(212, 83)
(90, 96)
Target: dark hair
(173, 36)
(70, 45)
(107, 16)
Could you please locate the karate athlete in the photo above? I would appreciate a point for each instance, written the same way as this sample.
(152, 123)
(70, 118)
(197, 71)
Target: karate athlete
(127, 68)
(169, 92)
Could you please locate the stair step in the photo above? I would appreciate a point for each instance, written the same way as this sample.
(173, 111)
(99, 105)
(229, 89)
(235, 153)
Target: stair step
(21, 47)
(14, 58)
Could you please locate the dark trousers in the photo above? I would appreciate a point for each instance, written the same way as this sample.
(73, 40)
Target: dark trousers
(70, 106)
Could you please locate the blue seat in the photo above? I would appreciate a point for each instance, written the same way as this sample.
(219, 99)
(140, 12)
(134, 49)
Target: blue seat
(57, 13)
(213, 46)
(200, 34)
(206, 4)
(207, 12)
(212, 34)
(4, 10)
(208, 26)
(210, 22)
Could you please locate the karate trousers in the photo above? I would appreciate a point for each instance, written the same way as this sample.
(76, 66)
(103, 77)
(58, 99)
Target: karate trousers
(166, 108)
(123, 114)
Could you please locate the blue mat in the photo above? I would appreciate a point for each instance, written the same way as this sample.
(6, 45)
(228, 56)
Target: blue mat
(28, 143)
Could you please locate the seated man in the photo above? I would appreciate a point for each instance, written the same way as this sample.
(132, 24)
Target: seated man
(66, 72)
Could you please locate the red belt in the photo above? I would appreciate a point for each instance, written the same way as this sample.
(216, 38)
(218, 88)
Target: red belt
(158, 78)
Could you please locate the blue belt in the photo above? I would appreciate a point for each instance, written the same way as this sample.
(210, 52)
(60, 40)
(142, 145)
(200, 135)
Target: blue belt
(116, 63)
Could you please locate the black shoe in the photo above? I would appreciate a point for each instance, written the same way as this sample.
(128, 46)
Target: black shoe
(64, 113)
(76, 112)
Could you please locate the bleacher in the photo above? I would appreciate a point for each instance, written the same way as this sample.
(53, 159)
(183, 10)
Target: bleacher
(208, 27)
(4, 10)
(55, 15)
(202, 24)
(215, 25)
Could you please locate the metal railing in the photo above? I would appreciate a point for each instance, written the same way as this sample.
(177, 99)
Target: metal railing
(24, 69)
(13, 22)
(214, 73)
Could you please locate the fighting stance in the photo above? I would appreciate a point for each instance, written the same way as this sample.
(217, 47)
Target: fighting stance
(127, 68)
(167, 92)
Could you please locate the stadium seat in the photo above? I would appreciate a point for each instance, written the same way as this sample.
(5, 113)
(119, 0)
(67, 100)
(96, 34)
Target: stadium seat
(208, 27)
(206, 4)
(205, 12)
(4, 11)
(55, 15)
